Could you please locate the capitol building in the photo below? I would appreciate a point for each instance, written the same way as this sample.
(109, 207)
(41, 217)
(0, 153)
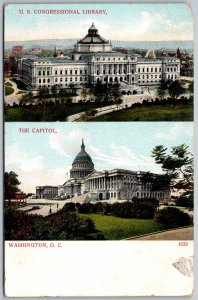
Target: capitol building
(116, 184)
(93, 60)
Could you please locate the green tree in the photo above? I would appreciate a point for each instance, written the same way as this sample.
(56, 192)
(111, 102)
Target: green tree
(43, 94)
(54, 91)
(162, 90)
(191, 88)
(27, 98)
(175, 89)
(177, 165)
(11, 184)
(84, 94)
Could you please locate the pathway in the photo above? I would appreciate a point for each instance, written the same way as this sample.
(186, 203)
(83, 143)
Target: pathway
(175, 234)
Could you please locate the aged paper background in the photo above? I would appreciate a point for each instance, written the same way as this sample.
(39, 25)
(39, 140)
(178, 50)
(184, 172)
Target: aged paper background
(99, 268)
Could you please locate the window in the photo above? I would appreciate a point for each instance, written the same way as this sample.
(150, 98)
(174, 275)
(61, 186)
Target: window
(80, 78)
(56, 79)
(56, 72)
(76, 79)
(65, 78)
(65, 72)
(85, 78)
(48, 72)
(76, 72)
(142, 69)
(80, 71)
(44, 80)
(48, 80)
(147, 69)
(39, 73)
(71, 71)
(61, 79)
(151, 69)
(39, 80)
(61, 72)
(155, 69)
(160, 69)
(70, 78)
(43, 72)
(85, 71)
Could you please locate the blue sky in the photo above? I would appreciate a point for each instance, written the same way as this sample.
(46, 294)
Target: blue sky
(121, 22)
(44, 158)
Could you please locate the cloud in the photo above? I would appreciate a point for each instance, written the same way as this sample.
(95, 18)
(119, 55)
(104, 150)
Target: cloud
(179, 129)
(120, 156)
(67, 144)
(151, 27)
(14, 155)
(31, 169)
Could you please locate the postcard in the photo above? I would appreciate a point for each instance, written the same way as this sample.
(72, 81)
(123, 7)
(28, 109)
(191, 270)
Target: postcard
(98, 150)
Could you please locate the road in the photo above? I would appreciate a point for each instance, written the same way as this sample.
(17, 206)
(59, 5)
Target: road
(175, 234)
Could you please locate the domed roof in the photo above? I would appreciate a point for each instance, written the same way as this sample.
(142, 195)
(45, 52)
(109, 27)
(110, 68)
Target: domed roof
(82, 156)
(93, 37)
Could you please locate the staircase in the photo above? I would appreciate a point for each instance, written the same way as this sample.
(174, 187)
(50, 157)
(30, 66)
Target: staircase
(84, 198)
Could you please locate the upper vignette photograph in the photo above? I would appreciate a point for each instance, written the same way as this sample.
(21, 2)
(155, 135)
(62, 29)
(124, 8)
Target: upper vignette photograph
(98, 62)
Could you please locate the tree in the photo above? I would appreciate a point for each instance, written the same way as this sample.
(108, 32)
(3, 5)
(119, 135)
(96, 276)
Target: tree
(43, 93)
(11, 183)
(27, 98)
(84, 93)
(175, 89)
(191, 88)
(177, 165)
(162, 90)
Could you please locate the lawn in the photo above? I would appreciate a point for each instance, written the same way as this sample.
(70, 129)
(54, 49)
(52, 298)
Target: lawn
(52, 112)
(153, 113)
(8, 90)
(115, 228)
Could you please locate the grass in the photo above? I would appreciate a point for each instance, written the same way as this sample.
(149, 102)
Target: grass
(8, 90)
(53, 113)
(178, 112)
(115, 228)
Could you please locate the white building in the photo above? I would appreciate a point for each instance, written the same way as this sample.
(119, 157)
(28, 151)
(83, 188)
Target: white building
(116, 184)
(94, 60)
(46, 192)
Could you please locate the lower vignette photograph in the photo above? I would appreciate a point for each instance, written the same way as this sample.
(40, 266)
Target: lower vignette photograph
(116, 198)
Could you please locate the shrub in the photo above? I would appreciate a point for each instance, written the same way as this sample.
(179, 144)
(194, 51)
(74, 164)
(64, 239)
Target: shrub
(173, 216)
(185, 201)
(123, 210)
(70, 206)
(86, 208)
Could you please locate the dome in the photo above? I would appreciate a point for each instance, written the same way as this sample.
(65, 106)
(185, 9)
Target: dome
(82, 164)
(93, 37)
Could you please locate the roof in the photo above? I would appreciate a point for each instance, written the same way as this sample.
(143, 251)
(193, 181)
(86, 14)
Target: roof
(83, 156)
(55, 60)
(93, 37)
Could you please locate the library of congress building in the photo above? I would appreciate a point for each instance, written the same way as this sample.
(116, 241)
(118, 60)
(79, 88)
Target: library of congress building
(94, 60)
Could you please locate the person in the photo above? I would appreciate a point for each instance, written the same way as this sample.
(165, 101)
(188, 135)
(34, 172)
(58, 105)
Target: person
(57, 205)
(50, 210)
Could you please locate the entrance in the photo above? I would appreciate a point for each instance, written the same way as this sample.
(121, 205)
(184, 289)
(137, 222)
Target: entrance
(100, 196)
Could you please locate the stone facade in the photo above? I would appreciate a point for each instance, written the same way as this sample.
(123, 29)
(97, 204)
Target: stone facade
(94, 60)
(46, 192)
(116, 184)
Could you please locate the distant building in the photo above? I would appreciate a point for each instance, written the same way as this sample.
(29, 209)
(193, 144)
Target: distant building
(17, 50)
(46, 192)
(116, 184)
(36, 51)
(93, 60)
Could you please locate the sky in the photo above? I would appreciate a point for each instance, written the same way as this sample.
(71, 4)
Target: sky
(46, 158)
(130, 22)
